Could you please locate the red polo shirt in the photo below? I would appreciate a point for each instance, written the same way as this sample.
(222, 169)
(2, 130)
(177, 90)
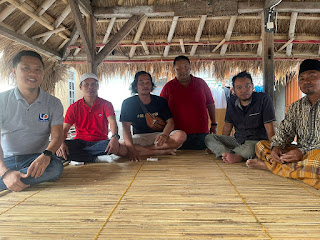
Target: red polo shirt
(189, 104)
(91, 123)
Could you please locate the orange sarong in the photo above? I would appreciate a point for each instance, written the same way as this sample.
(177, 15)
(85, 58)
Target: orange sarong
(306, 170)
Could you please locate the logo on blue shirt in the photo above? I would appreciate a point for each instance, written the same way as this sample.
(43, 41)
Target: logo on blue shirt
(43, 117)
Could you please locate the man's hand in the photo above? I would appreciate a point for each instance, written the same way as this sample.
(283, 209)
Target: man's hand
(63, 151)
(38, 166)
(161, 139)
(294, 155)
(13, 182)
(276, 153)
(213, 129)
(113, 146)
(133, 154)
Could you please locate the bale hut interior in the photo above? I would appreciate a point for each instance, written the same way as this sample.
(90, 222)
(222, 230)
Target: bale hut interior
(189, 196)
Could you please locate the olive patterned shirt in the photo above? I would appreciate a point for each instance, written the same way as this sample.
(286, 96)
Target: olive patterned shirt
(302, 120)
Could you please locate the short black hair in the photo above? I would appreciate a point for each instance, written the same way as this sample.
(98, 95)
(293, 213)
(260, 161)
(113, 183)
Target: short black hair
(181, 57)
(134, 84)
(17, 58)
(241, 75)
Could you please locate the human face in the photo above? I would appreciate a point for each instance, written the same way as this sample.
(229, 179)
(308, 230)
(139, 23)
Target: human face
(28, 73)
(89, 87)
(182, 70)
(144, 85)
(309, 82)
(243, 88)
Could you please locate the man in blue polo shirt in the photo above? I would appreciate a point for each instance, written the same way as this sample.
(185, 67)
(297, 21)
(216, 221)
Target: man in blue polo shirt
(28, 115)
(252, 116)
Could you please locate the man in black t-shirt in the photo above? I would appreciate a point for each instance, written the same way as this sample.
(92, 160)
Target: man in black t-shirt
(145, 141)
(251, 114)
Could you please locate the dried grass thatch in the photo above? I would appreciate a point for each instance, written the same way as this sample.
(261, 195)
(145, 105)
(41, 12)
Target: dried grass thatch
(53, 71)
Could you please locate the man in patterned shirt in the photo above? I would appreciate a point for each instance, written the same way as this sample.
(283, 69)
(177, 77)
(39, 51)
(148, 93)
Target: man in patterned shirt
(301, 161)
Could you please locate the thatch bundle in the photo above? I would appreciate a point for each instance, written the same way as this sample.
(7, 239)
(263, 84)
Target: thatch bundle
(53, 71)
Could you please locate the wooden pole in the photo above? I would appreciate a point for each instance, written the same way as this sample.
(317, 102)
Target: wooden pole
(267, 59)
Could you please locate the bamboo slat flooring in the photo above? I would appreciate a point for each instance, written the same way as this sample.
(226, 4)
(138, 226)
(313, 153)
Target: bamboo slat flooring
(188, 196)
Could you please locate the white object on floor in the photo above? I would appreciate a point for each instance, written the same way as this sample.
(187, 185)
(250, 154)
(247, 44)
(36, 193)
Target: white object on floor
(106, 158)
(75, 163)
(152, 159)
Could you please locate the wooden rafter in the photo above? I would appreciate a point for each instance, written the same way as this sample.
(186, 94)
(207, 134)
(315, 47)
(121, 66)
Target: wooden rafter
(28, 42)
(106, 36)
(138, 35)
(81, 27)
(121, 34)
(228, 34)
(145, 47)
(259, 49)
(199, 33)
(170, 35)
(219, 45)
(183, 50)
(48, 33)
(292, 28)
(39, 11)
(73, 38)
(58, 22)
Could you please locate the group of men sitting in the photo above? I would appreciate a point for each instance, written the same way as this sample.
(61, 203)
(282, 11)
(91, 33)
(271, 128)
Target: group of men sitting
(178, 119)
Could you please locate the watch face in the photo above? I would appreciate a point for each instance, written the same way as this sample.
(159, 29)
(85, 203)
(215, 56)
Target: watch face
(47, 153)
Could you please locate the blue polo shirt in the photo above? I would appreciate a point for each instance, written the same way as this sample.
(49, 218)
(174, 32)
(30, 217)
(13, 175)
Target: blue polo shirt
(249, 121)
(25, 128)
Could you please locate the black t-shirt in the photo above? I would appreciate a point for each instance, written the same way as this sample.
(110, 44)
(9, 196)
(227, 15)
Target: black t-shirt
(131, 111)
(249, 123)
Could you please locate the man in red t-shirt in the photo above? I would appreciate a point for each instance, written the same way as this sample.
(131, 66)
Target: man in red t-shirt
(190, 101)
(91, 116)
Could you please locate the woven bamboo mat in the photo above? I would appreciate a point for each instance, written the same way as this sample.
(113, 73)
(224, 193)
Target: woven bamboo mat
(188, 196)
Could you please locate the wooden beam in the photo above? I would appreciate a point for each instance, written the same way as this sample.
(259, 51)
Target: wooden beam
(227, 37)
(199, 33)
(58, 22)
(6, 12)
(22, 39)
(259, 49)
(301, 7)
(121, 34)
(91, 25)
(85, 6)
(219, 45)
(292, 28)
(106, 36)
(73, 38)
(183, 50)
(39, 11)
(285, 45)
(81, 27)
(138, 35)
(49, 32)
(170, 35)
(267, 60)
(145, 47)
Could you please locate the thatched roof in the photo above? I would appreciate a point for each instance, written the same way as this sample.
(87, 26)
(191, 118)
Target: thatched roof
(221, 36)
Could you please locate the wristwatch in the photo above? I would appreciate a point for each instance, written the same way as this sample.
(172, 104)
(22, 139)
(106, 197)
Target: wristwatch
(214, 124)
(47, 153)
(116, 135)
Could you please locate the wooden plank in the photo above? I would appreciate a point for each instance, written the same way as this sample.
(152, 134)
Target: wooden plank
(122, 33)
(107, 34)
(28, 42)
(138, 35)
(292, 28)
(227, 37)
(198, 34)
(170, 35)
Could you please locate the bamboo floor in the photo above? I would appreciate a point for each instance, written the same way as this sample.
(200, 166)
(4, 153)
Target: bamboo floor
(188, 196)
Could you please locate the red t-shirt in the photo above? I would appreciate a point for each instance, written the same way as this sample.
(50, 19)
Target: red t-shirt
(189, 104)
(91, 123)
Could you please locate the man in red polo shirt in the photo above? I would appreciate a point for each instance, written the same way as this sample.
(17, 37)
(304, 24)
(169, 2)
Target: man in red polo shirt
(190, 101)
(91, 116)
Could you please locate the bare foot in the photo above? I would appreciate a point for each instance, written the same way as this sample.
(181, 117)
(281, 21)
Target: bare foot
(208, 151)
(256, 163)
(169, 152)
(231, 158)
